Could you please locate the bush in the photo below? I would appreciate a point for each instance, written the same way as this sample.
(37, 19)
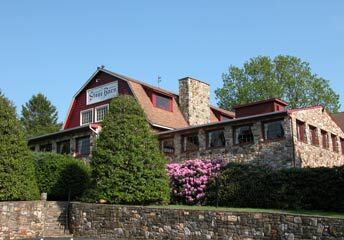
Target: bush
(17, 171)
(188, 180)
(258, 187)
(127, 165)
(60, 175)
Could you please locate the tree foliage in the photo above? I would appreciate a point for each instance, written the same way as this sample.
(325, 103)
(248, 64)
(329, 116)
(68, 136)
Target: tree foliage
(127, 166)
(285, 77)
(39, 116)
(17, 172)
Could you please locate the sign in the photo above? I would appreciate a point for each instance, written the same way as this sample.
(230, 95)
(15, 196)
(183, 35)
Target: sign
(102, 93)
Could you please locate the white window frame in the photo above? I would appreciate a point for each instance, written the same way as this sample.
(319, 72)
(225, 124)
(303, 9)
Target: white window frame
(96, 114)
(87, 110)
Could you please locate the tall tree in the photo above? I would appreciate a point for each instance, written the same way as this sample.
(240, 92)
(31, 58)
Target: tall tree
(39, 116)
(17, 172)
(127, 166)
(285, 77)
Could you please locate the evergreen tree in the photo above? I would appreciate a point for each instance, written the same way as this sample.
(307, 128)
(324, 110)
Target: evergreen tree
(39, 116)
(127, 166)
(17, 172)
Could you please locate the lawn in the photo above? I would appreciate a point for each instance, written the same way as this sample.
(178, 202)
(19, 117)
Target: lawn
(254, 210)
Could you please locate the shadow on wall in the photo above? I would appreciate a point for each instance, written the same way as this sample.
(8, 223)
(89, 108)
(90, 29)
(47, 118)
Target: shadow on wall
(275, 155)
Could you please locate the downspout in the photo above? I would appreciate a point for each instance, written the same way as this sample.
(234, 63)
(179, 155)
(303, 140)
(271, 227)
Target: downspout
(90, 127)
(292, 139)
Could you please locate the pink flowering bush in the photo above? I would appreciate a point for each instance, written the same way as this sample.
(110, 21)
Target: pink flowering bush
(189, 179)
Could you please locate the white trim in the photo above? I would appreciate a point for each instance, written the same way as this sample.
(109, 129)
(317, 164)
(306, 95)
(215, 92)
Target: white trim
(86, 110)
(77, 93)
(160, 126)
(96, 114)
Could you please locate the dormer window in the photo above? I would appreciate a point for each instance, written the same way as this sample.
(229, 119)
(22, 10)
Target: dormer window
(161, 101)
(86, 116)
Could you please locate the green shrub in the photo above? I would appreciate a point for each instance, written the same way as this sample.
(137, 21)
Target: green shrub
(258, 187)
(127, 166)
(17, 171)
(58, 175)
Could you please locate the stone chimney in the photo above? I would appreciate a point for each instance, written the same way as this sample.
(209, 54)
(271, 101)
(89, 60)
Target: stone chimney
(194, 100)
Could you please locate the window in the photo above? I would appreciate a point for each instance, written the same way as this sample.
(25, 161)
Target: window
(216, 139)
(342, 144)
(162, 102)
(324, 138)
(167, 146)
(101, 112)
(83, 146)
(334, 142)
(190, 143)
(45, 147)
(63, 147)
(314, 135)
(86, 116)
(300, 130)
(33, 148)
(273, 130)
(243, 134)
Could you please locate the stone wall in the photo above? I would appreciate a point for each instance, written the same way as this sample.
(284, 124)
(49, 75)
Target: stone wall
(194, 101)
(274, 153)
(309, 155)
(30, 219)
(128, 222)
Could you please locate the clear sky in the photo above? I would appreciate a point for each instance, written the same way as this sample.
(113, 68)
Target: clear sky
(53, 47)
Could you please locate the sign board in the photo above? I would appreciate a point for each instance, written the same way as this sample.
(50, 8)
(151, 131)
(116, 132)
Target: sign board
(102, 93)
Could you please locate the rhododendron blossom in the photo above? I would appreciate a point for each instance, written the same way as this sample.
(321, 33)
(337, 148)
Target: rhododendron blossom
(189, 179)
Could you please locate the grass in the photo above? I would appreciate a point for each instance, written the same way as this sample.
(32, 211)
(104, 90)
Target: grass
(253, 210)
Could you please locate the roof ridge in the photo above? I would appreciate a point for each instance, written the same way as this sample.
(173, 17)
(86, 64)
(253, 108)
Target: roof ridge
(139, 82)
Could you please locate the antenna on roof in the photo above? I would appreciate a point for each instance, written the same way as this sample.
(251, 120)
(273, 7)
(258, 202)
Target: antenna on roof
(159, 80)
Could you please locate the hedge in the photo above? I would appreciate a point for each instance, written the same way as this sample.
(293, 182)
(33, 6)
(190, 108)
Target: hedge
(60, 175)
(258, 187)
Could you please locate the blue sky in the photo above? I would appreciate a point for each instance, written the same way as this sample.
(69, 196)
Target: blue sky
(53, 47)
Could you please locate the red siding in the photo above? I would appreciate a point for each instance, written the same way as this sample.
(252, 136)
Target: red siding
(259, 108)
(79, 103)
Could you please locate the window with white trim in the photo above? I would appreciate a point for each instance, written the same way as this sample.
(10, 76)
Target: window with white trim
(86, 117)
(101, 112)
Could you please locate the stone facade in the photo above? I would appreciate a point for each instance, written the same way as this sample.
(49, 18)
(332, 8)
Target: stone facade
(194, 101)
(278, 153)
(130, 222)
(31, 219)
(274, 153)
(315, 155)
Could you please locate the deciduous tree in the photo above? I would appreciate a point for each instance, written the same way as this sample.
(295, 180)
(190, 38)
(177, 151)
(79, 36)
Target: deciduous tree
(285, 77)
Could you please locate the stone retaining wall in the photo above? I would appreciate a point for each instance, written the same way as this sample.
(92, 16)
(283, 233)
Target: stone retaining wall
(24, 220)
(129, 222)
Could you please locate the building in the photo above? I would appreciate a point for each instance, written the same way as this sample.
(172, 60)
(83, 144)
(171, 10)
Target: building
(263, 133)
(164, 110)
(188, 127)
